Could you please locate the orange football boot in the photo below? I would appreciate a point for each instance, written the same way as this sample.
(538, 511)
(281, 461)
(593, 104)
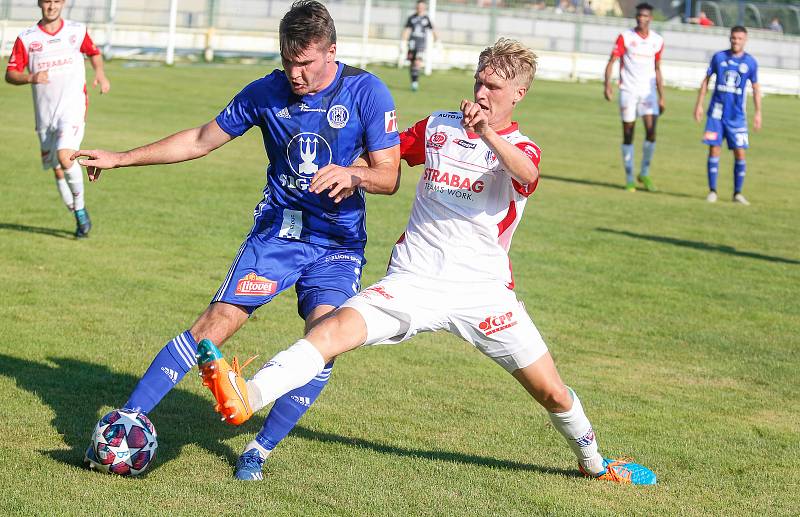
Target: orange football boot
(225, 382)
(624, 472)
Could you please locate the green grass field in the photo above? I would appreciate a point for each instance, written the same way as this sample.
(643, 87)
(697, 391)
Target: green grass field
(675, 320)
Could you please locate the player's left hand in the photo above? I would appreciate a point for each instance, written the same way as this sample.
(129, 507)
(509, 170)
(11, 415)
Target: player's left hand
(340, 181)
(661, 106)
(757, 121)
(475, 118)
(104, 84)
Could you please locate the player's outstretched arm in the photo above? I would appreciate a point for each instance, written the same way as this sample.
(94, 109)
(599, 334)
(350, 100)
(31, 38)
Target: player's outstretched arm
(180, 147)
(382, 176)
(660, 88)
(100, 78)
(701, 95)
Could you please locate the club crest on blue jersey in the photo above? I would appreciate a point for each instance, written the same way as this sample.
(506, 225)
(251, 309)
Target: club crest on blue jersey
(338, 116)
(307, 153)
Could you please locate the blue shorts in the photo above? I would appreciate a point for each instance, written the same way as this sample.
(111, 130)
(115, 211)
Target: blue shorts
(734, 132)
(266, 266)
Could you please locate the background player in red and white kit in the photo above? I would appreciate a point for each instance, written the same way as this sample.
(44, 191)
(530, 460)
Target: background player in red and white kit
(641, 90)
(450, 270)
(52, 51)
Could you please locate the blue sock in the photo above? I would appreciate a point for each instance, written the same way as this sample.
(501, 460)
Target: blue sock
(739, 170)
(627, 162)
(713, 170)
(647, 156)
(288, 409)
(169, 366)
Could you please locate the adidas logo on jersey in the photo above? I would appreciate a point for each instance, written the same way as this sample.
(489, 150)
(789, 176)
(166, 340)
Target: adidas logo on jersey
(284, 113)
(303, 401)
(172, 374)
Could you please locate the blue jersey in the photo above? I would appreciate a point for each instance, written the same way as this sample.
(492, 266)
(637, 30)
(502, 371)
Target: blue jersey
(354, 114)
(730, 89)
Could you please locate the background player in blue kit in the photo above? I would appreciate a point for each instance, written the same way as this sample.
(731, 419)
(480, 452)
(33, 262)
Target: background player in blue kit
(727, 115)
(316, 116)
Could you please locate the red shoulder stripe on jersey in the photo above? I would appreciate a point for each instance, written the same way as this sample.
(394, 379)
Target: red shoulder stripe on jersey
(19, 57)
(88, 47)
(658, 54)
(533, 152)
(412, 143)
(619, 47)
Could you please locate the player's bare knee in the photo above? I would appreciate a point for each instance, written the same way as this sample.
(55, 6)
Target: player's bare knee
(218, 322)
(64, 158)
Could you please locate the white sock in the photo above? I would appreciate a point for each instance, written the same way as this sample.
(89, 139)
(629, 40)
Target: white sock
(647, 156)
(290, 369)
(257, 446)
(74, 176)
(66, 193)
(575, 427)
(627, 161)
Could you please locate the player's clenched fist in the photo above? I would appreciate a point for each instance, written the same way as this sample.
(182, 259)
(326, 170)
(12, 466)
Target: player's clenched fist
(475, 118)
(98, 160)
(42, 77)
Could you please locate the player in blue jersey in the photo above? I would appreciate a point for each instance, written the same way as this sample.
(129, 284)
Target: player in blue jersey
(727, 117)
(316, 117)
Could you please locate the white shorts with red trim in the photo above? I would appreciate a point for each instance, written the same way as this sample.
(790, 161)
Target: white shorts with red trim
(489, 317)
(634, 105)
(65, 135)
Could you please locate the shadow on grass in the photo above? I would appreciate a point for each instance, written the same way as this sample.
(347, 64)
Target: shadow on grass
(62, 234)
(604, 184)
(699, 245)
(76, 391)
(451, 457)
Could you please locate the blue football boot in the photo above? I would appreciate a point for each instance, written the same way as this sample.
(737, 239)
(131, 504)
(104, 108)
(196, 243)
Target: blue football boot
(249, 465)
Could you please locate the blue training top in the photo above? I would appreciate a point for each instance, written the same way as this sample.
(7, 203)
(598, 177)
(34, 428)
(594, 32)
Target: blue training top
(354, 114)
(730, 92)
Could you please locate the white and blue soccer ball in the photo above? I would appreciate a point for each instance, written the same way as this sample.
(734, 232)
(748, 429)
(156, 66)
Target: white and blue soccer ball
(123, 442)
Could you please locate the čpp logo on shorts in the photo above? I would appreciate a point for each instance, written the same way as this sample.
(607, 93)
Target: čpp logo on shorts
(494, 324)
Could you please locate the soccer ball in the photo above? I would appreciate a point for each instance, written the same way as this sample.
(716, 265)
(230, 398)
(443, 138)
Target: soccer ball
(123, 442)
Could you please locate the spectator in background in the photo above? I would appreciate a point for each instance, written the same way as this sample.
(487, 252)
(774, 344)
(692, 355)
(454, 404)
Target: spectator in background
(775, 25)
(702, 19)
(564, 6)
(587, 7)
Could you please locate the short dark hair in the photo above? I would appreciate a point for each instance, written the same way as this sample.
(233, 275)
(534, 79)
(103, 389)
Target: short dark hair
(644, 6)
(307, 22)
(738, 28)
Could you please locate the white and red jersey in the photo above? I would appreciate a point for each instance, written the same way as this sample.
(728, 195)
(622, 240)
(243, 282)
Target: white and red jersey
(466, 207)
(61, 54)
(638, 57)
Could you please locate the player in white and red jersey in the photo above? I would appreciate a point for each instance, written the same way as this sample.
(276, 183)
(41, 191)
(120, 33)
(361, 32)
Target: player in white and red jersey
(450, 270)
(641, 90)
(52, 51)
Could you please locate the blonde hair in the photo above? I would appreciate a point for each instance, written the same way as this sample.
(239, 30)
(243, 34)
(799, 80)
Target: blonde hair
(511, 60)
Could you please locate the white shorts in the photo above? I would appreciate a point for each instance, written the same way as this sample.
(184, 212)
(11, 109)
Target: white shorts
(633, 105)
(490, 318)
(65, 135)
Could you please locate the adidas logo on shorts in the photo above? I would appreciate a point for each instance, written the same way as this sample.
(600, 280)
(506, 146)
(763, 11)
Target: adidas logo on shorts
(284, 113)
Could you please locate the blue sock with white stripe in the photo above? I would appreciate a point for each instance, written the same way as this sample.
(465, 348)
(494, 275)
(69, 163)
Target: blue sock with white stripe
(169, 366)
(713, 171)
(288, 409)
(739, 171)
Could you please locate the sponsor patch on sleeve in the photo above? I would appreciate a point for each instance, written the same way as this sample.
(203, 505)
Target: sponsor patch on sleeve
(390, 121)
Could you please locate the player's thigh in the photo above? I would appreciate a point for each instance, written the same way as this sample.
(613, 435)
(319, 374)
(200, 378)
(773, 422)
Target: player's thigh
(627, 106)
(70, 134)
(499, 326)
(395, 309)
(648, 105)
(330, 279)
(48, 146)
(712, 135)
(219, 322)
(263, 268)
(736, 134)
